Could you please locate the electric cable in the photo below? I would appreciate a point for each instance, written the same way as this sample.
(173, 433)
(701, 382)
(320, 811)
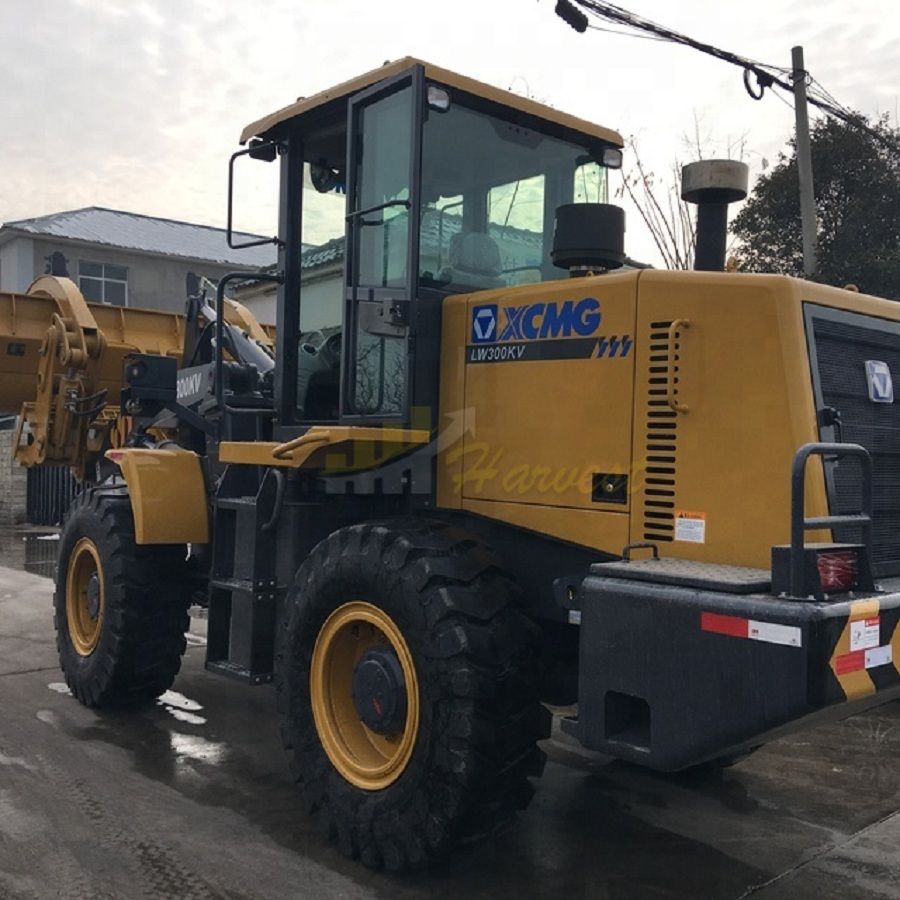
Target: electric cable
(767, 76)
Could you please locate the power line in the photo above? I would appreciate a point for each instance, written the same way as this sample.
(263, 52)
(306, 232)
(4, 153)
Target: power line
(787, 103)
(643, 37)
(767, 76)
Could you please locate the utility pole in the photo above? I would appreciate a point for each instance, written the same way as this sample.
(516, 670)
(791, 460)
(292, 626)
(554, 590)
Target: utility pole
(804, 164)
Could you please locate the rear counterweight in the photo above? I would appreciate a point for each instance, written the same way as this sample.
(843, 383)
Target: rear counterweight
(673, 675)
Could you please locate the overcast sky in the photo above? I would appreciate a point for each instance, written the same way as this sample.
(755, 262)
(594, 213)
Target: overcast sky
(137, 105)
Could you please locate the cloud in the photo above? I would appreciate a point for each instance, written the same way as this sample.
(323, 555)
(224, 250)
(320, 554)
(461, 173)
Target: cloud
(138, 105)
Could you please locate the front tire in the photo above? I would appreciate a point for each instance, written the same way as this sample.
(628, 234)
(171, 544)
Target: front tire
(407, 690)
(120, 609)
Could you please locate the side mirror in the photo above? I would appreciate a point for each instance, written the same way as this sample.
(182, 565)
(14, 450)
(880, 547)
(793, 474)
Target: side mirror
(256, 149)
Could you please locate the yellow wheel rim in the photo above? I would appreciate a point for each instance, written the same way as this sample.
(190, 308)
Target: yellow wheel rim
(85, 601)
(367, 759)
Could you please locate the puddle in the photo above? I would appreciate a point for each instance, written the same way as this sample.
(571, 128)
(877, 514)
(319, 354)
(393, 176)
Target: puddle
(192, 746)
(181, 708)
(173, 698)
(187, 717)
(176, 705)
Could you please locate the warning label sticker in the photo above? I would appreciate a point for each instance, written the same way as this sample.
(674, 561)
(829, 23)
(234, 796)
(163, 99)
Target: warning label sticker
(865, 633)
(880, 656)
(690, 526)
(857, 660)
(789, 635)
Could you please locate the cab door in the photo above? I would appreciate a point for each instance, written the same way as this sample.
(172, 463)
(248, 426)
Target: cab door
(382, 245)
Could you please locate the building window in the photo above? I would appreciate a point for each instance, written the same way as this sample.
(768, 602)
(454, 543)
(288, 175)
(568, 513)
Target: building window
(103, 283)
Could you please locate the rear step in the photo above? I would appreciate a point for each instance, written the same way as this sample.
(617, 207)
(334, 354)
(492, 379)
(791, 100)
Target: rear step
(243, 595)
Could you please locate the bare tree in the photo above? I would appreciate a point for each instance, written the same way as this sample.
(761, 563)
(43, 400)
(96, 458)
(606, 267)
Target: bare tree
(671, 221)
(659, 204)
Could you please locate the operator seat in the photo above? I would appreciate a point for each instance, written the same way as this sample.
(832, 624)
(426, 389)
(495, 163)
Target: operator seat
(474, 260)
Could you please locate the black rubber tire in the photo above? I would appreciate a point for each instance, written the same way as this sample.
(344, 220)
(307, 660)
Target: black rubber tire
(142, 638)
(476, 660)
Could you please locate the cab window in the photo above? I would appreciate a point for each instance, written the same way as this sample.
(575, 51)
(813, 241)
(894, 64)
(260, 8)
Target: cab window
(323, 213)
(490, 189)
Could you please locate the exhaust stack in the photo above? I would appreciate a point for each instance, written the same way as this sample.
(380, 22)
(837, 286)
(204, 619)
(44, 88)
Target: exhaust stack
(712, 184)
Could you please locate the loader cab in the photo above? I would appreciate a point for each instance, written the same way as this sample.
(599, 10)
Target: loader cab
(399, 188)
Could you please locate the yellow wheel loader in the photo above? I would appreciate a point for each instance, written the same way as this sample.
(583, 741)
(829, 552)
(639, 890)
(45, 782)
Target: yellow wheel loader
(486, 465)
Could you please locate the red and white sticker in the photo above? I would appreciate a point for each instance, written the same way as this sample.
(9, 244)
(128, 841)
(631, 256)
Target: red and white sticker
(690, 526)
(736, 626)
(857, 660)
(865, 633)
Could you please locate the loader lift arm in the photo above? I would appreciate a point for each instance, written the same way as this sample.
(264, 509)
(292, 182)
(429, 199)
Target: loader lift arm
(62, 366)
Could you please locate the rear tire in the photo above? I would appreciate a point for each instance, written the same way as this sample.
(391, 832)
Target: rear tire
(120, 609)
(442, 597)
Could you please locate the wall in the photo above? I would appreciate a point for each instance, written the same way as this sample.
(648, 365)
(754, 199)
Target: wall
(17, 264)
(154, 282)
(320, 299)
(12, 483)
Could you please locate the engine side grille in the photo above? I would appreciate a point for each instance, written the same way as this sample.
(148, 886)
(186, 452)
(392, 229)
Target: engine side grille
(660, 439)
(842, 343)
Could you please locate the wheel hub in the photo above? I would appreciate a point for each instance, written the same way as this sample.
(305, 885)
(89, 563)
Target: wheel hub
(84, 597)
(92, 598)
(364, 694)
(379, 691)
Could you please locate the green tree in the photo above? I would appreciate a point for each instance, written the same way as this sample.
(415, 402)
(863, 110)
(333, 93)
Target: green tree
(857, 186)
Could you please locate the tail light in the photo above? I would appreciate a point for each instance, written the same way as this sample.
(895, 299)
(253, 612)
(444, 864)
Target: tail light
(838, 570)
(825, 569)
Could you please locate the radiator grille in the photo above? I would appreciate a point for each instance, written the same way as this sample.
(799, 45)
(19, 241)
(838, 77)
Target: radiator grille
(842, 343)
(660, 438)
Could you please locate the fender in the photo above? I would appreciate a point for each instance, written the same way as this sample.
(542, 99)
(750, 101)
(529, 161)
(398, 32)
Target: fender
(168, 494)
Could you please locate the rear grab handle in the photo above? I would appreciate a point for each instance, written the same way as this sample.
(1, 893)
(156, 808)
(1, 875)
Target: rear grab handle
(671, 390)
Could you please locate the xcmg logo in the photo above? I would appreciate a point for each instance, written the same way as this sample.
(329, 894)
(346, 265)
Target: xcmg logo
(536, 321)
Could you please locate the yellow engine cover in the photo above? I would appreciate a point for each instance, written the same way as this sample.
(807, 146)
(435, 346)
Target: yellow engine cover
(695, 386)
(547, 376)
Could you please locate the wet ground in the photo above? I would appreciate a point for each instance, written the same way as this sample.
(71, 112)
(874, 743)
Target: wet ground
(190, 798)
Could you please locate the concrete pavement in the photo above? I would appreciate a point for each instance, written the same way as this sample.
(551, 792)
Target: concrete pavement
(191, 798)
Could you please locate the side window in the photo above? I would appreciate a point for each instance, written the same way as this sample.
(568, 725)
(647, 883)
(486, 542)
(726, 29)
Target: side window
(383, 177)
(322, 247)
(321, 288)
(103, 283)
(516, 224)
(442, 218)
(379, 362)
(590, 183)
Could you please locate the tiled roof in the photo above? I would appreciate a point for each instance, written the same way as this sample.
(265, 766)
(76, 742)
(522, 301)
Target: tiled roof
(329, 252)
(148, 234)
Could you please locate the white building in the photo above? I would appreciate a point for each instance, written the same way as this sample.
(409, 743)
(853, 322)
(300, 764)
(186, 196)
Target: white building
(121, 258)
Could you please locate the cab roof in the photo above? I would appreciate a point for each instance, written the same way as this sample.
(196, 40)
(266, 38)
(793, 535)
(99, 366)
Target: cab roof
(444, 76)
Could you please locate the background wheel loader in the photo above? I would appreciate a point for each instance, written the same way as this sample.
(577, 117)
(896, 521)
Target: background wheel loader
(465, 481)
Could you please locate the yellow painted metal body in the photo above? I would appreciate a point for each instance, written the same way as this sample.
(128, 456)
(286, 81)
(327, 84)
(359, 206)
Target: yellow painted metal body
(369, 447)
(536, 431)
(508, 99)
(168, 495)
(57, 351)
(704, 413)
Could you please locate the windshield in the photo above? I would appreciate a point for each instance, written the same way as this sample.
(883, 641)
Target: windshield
(490, 190)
